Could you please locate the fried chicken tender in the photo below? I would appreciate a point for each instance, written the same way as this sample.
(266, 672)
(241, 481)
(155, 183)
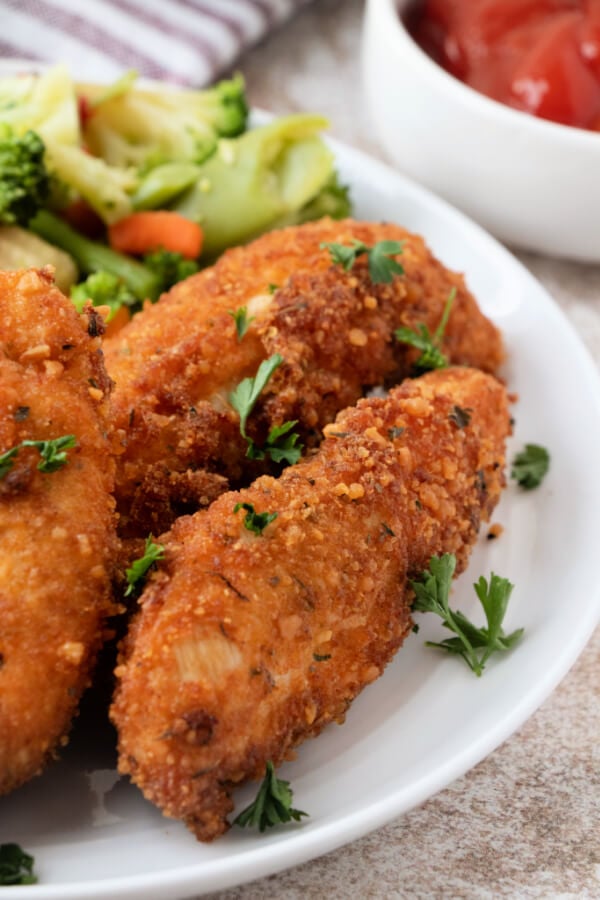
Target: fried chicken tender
(176, 362)
(57, 529)
(246, 643)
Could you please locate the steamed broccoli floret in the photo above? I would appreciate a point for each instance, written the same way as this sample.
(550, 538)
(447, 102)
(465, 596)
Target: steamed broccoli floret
(145, 128)
(170, 267)
(225, 105)
(103, 289)
(24, 180)
(47, 105)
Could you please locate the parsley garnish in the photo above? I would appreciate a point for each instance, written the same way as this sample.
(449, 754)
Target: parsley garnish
(382, 266)
(244, 397)
(431, 356)
(242, 322)
(272, 806)
(461, 417)
(280, 445)
(137, 571)
(7, 461)
(253, 521)
(530, 466)
(53, 454)
(475, 645)
(16, 866)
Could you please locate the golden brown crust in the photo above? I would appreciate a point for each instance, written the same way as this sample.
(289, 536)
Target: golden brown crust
(247, 644)
(56, 529)
(176, 362)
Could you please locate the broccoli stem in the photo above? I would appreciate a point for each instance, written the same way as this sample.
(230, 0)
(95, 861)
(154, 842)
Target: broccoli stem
(91, 256)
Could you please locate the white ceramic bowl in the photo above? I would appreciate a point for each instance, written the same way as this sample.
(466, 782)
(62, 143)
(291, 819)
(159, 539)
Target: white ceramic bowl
(532, 183)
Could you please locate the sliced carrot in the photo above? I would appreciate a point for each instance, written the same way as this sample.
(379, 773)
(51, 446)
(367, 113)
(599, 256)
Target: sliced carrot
(149, 230)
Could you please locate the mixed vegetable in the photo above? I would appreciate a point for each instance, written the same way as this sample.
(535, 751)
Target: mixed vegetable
(127, 189)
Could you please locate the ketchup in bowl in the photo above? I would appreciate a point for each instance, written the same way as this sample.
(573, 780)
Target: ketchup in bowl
(539, 56)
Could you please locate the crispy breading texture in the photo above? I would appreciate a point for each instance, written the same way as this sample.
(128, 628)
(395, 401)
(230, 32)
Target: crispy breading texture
(246, 644)
(176, 362)
(56, 528)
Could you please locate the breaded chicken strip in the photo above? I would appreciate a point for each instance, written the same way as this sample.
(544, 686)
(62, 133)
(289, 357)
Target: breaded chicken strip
(176, 362)
(56, 527)
(248, 643)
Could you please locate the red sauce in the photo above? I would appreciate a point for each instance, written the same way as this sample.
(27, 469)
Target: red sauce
(539, 56)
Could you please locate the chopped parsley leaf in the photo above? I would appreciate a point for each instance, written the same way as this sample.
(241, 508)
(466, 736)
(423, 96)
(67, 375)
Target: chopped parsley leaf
(475, 645)
(253, 521)
(530, 466)
(272, 806)
(245, 395)
(136, 573)
(16, 866)
(242, 322)
(280, 445)
(382, 265)
(53, 454)
(431, 356)
(7, 461)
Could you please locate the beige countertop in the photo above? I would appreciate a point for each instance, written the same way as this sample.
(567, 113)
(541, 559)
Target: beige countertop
(526, 821)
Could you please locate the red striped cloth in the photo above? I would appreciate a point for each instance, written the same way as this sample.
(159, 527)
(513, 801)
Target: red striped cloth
(188, 42)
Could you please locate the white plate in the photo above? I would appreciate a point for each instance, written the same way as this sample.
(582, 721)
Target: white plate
(428, 719)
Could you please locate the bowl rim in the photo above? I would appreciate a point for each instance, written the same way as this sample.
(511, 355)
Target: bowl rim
(390, 12)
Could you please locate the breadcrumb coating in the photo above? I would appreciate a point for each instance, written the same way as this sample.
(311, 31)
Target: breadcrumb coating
(57, 529)
(176, 362)
(248, 643)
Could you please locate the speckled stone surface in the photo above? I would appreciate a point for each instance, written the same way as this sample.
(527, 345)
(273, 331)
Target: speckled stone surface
(526, 821)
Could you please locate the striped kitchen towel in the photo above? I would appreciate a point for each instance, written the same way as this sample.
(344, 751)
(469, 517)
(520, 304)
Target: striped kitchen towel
(188, 42)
